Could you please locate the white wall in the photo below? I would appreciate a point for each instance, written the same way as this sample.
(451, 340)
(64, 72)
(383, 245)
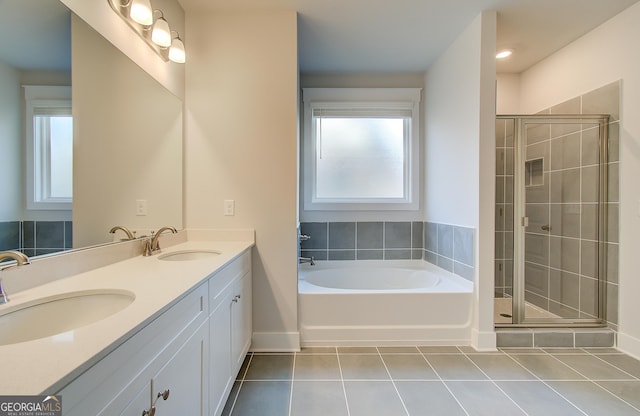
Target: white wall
(241, 126)
(460, 156)
(508, 94)
(99, 15)
(11, 166)
(604, 55)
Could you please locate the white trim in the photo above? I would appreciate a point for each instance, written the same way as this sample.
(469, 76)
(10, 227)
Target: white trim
(483, 340)
(275, 342)
(56, 98)
(629, 344)
(405, 100)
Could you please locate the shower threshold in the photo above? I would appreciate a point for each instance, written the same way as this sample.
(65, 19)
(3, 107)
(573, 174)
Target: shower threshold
(502, 311)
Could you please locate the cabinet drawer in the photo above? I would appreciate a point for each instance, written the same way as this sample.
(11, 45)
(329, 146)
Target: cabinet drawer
(220, 281)
(117, 375)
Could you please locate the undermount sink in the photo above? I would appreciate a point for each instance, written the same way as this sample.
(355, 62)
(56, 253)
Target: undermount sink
(60, 313)
(188, 255)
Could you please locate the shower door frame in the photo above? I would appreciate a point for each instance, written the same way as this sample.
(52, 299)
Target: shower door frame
(520, 219)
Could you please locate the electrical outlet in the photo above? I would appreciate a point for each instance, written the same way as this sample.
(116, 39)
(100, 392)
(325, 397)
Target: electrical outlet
(141, 207)
(229, 207)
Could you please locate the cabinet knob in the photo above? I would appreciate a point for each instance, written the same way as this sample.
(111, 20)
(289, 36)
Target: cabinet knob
(164, 394)
(150, 412)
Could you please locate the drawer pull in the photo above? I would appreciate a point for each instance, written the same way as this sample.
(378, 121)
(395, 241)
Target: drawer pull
(150, 412)
(164, 395)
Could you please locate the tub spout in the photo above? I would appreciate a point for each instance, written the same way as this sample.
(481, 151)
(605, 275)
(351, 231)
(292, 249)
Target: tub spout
(306, 260)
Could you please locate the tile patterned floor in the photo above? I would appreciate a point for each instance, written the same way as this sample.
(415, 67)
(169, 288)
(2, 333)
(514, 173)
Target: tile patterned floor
(396, 381)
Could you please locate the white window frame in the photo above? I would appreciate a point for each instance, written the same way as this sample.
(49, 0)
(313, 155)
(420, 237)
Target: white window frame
(42, 100)
(374, 101)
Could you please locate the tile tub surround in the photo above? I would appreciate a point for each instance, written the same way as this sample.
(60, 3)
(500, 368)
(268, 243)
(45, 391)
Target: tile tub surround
(446, 380)
(450, 247)
(35, 238)
(447, 246)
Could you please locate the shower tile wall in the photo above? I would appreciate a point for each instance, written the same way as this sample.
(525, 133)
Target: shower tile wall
(561, 264)
(504, 208)
(36, 238)
(447, 246)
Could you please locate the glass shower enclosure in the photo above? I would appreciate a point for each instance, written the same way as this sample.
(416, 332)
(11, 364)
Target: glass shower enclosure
(551, 220)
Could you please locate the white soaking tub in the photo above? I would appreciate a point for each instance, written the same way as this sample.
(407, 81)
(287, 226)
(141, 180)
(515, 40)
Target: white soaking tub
(403, 302)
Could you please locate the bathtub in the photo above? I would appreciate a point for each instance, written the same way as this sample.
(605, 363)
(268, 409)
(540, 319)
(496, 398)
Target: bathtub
(403, 302)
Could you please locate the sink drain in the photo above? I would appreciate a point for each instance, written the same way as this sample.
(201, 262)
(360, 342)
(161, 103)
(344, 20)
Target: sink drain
(506, 315)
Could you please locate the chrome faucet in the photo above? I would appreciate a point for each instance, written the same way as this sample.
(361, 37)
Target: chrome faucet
(21, 259)
(306, 260)
(151, 244)
(130, 235)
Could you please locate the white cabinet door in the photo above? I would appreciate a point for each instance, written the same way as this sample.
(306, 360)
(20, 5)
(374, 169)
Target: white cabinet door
(241, 323)
(139, 404)
(183, 377)
(220, 352)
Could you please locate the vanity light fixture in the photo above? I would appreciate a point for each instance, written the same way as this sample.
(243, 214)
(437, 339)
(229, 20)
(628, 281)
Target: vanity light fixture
(176, 51)
(504, 53)
(160, 32)
(151, 25)
(141, 12)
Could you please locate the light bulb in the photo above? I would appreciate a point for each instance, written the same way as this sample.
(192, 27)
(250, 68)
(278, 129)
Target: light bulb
(176, 51)
(141, 12)
(161, 34)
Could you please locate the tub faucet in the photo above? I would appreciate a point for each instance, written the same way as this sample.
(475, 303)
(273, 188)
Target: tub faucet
(151, 244)
(21, 259)
(306, 260)
(130, 235)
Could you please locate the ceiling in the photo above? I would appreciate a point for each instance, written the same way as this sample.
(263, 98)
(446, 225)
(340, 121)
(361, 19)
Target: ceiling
(36, 34)
(346, 35)
(408, 35)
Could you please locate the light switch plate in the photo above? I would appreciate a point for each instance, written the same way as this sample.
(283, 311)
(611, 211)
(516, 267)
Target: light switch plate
(141, 207)
(229, 207)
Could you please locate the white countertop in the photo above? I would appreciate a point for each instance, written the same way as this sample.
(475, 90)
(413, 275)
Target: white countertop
(45, 365)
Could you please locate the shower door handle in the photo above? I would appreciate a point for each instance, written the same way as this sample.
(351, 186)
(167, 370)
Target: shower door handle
(546, 227)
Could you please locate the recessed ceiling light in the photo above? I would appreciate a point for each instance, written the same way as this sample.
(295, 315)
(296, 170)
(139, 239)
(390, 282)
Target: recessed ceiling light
(505, 53)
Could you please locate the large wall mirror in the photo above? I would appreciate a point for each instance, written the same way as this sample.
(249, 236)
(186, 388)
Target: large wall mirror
(126, 134)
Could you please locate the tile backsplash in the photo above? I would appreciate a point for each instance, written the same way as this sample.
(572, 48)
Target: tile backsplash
(447, 246)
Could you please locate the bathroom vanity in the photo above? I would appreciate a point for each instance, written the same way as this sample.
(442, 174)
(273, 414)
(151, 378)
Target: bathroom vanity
(175, 349)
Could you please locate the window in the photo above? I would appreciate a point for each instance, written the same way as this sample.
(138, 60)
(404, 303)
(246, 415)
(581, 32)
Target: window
(360, 149)
(49, 134)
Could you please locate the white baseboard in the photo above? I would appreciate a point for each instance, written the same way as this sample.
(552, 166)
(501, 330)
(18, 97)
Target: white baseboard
(316, 336)
(629, 345)
(275, 342)
(483, 341)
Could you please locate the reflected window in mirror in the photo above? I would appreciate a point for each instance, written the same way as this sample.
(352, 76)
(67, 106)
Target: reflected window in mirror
(49, 135)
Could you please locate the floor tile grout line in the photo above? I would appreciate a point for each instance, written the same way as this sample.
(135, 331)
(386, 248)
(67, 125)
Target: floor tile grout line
(615, 395)
(590, 380)
(293, 376)
(235, 399)
(495, 384)
(548, 385)
(614, 366)
(344, 389)
(444, 384)
(393, 383)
